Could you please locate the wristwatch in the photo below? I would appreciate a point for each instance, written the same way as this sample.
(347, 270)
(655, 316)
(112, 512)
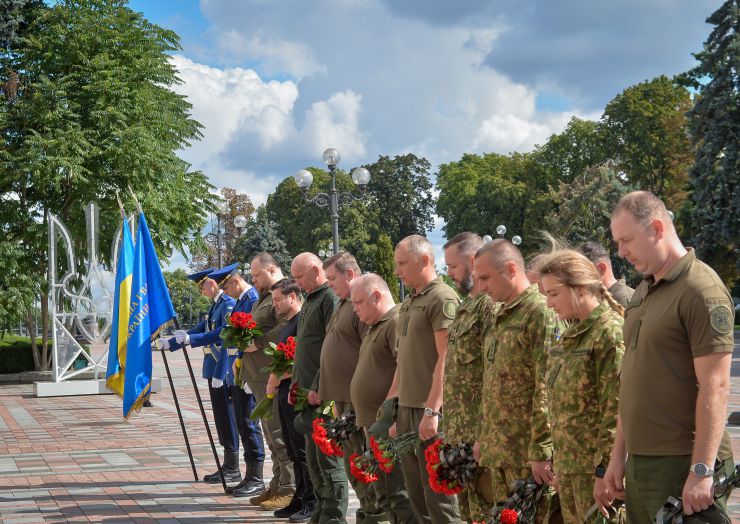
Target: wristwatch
(429, 412)
(702, 470)
(600, 472)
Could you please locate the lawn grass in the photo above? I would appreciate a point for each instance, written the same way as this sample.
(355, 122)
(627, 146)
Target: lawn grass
(15, 354)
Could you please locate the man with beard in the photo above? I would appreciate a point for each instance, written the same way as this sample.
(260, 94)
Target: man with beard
(463, 382)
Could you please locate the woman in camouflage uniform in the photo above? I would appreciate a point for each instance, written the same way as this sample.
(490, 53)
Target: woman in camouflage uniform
(582, 378)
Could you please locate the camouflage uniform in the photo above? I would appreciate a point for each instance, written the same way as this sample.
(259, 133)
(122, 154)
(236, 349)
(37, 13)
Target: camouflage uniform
(463, 385)
(514, 428)
(583, 387)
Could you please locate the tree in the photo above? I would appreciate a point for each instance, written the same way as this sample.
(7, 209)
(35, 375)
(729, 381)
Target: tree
(15, 16)
(646, 129)
(385, 265)
(714, 124)
(189, 304)
(17, 289)
(262, 236)
(583, 210)
(91, 113)
(207, 255)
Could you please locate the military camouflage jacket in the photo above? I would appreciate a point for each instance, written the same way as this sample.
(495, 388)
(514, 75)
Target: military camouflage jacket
(583, 386)
(514, 429)
(463, 385)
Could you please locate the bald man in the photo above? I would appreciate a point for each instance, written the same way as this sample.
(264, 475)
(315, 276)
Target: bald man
(327, 473)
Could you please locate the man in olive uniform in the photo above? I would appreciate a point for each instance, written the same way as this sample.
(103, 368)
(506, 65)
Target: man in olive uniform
(463, 385)
(514, 435)
(424, 318)
(373, 383)
(327, 473)
(599, 257)
(339, 356)
(265, 272)
(675, 379)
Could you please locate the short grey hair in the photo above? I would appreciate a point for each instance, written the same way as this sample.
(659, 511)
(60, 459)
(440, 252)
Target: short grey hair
(369, 282)
(502, 251)
(418, 245)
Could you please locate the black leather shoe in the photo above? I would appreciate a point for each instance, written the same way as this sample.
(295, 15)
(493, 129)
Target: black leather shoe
(229, 476)
(304, 515)
(230, 489)
(248, 488)
(288, 510)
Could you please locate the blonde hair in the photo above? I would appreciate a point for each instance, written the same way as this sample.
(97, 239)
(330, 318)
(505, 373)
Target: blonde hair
(574, 270)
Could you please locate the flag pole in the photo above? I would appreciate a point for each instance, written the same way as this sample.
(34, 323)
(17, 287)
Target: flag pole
(179, 413)
(202, 411)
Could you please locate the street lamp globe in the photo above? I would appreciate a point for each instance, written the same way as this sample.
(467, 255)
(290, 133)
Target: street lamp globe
(487, 238)
(360, 176)
(304, 178)
(501, 230)
(331, 157)
(240, 221)
(516, 240)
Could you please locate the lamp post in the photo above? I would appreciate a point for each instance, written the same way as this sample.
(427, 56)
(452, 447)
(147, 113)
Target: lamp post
(334, 200)
(501, 231)
(218, 237)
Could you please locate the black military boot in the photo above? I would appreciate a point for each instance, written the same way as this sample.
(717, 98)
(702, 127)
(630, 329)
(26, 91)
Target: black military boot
(254, 485)
(230, 489)
(230, 467)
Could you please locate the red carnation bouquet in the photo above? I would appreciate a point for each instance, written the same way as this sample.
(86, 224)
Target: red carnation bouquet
(323, 442)
(282, 355)
(387, 450)
(364, 467)
(450, 467)
(240, 330)
(521, 506)
(329, 435)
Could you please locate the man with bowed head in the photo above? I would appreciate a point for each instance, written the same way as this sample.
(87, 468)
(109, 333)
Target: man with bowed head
(675, 377)
(513, 438)
(215, 369)
(327, 473)
(423, 320)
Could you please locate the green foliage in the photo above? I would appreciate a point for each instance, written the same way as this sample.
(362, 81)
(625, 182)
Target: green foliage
(584, 208)
(262, 236)
(646, 129)
(18, 290)
(385, 265)
(15, 15)
(15, 354)
(715, 131)
(189, 304)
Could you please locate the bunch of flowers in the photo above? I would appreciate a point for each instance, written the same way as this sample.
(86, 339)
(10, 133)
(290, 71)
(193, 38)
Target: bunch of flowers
(240, 330)
(282, 357)
(450, 467)
(322, 440)
(521, 506)
(297, 397)
(364, 467)
(383, 453)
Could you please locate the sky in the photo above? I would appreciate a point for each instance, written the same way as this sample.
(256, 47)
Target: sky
(274, 83)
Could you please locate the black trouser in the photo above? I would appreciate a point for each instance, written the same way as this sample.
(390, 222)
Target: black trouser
(223, 416)
(295, 446)
(249, 430)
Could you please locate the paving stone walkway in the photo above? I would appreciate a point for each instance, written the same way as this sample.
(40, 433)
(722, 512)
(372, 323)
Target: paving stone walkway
(74, 459)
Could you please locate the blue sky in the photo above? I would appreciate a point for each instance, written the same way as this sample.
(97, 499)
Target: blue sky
(276, 82)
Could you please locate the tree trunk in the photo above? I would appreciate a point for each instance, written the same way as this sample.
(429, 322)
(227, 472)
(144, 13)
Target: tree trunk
(31, 326)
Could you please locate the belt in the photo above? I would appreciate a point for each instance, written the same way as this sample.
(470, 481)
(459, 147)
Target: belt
(232, 351)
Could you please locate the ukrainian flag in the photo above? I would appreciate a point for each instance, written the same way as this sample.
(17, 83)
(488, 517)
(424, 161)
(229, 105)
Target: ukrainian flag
(119, 327)
(150, 308)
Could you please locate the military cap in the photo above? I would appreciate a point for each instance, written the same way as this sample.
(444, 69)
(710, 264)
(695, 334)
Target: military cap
(223, 274)
(303, 421)
(386, 417)
(201, 276)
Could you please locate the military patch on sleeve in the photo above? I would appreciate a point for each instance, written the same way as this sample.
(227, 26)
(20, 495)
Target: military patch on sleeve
(449, 309)
(721, 319)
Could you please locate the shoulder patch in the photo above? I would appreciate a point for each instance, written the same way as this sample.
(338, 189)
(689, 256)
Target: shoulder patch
(450, 308)
(721, 319)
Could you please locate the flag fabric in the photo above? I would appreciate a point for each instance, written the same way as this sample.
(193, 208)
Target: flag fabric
(119, 326)
(150, 308)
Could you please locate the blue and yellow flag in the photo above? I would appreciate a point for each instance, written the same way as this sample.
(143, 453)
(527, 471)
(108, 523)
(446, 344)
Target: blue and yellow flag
(119, 326)
(150, 308)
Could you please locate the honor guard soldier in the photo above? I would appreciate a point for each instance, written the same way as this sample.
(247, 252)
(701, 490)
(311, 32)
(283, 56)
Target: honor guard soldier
(231, 281)
(215, 369)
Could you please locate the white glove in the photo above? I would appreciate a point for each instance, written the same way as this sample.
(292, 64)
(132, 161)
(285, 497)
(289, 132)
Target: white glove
(216, 383)
(182, 337)
(162, 343)
(246, 389)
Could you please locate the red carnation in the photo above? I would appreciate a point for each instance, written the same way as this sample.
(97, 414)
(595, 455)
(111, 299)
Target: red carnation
(509, 516)
(240, 319)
